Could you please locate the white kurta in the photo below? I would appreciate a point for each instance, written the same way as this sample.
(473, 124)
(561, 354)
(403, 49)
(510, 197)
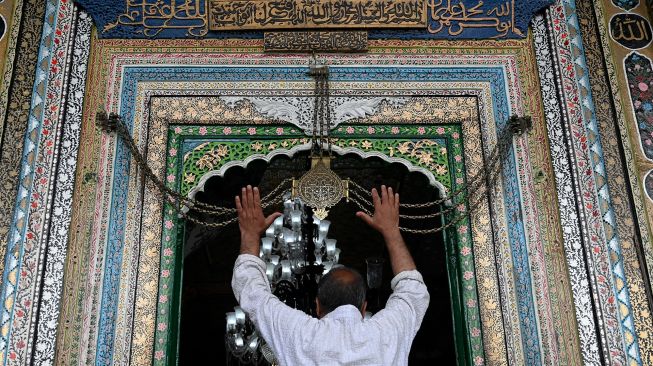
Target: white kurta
(342, 337)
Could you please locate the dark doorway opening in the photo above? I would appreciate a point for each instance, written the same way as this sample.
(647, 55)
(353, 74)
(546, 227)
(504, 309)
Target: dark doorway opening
(209, 255)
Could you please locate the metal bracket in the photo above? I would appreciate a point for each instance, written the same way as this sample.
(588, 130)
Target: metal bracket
(107, 122)
(519, 125)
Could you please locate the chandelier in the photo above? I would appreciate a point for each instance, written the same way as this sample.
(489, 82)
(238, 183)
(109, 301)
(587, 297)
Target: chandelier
(295, 248)
(297, 253)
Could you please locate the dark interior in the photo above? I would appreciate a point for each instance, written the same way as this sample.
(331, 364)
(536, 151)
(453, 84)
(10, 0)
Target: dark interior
(209, 255)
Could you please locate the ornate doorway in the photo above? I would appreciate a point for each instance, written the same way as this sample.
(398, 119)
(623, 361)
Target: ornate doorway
(209, 256)
(424, 162)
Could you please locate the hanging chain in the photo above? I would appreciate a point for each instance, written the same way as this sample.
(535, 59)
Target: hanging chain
(475, 188)
(220, 224)
(182, 205)
(316, 97)
(321, 110)
(475, 182)
(478, 186)
(327, 95)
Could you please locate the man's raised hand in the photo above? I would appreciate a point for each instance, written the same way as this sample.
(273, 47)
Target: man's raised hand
(386, 221)
(251, 220)
(386, 212)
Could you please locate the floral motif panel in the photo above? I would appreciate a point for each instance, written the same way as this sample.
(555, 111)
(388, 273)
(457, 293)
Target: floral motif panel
(640, 85)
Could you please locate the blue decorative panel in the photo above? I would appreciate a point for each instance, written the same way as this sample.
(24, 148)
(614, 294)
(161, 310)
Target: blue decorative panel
(447, 19)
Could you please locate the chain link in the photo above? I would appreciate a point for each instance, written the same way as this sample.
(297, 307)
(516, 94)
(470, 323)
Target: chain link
(475, 189)
(180, 203)
(216, 225)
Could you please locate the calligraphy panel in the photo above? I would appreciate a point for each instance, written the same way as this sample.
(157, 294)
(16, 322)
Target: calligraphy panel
(302, 14)
(316, 41)
(630, 30)
(384, 19)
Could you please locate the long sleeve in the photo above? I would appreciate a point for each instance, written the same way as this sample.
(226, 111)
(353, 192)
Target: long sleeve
(407, 305)
(275, 320)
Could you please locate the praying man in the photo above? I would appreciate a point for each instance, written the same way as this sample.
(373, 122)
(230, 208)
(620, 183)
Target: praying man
(340, 335)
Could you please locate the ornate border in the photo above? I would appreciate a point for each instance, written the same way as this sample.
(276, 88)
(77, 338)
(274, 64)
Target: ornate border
(127, 108)
(8, 63)
(52, 287)
(569, 56)
(489, 318)
(596, 214)
(41, 131)
(15, 122)
(104, 196)
(617, 170)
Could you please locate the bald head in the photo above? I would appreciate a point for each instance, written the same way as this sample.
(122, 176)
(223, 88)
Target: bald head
(341, 286)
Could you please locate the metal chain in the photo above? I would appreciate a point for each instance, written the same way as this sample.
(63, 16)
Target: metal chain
(316, 98)
(474, 200)
(327, 93)
(265, 201)
(474, 183)
(369, 204)
(474, 187)
(113, 123)
(217, 225)
(475, 192)
(453, 222)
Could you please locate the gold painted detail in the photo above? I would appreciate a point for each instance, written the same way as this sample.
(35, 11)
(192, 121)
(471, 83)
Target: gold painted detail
(284, 14)
(159, 16)
(456, 17)
(320, 188)
(213, 157)
(316, 41)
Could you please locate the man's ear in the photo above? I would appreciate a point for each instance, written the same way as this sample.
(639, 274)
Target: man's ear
(363, 308)
(318, 309)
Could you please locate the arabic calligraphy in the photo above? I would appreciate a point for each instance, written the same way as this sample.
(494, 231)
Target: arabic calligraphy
(154, 16)
(456, 17)
(283, 14)
(316, 41)
(429, 19)
(630, 30)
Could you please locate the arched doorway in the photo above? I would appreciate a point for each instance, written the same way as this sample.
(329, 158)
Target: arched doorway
(209, 255)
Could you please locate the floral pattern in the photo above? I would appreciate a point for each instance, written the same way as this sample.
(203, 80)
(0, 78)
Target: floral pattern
(640, 85)
(502, 55)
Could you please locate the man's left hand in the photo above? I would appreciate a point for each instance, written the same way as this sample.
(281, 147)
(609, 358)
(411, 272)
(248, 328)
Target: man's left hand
(251, 220)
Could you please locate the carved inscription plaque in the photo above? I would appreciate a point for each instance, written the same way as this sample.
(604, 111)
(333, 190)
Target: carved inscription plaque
(316, 41)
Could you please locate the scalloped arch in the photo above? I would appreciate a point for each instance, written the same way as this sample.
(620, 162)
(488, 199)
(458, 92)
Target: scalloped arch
(304, 147)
